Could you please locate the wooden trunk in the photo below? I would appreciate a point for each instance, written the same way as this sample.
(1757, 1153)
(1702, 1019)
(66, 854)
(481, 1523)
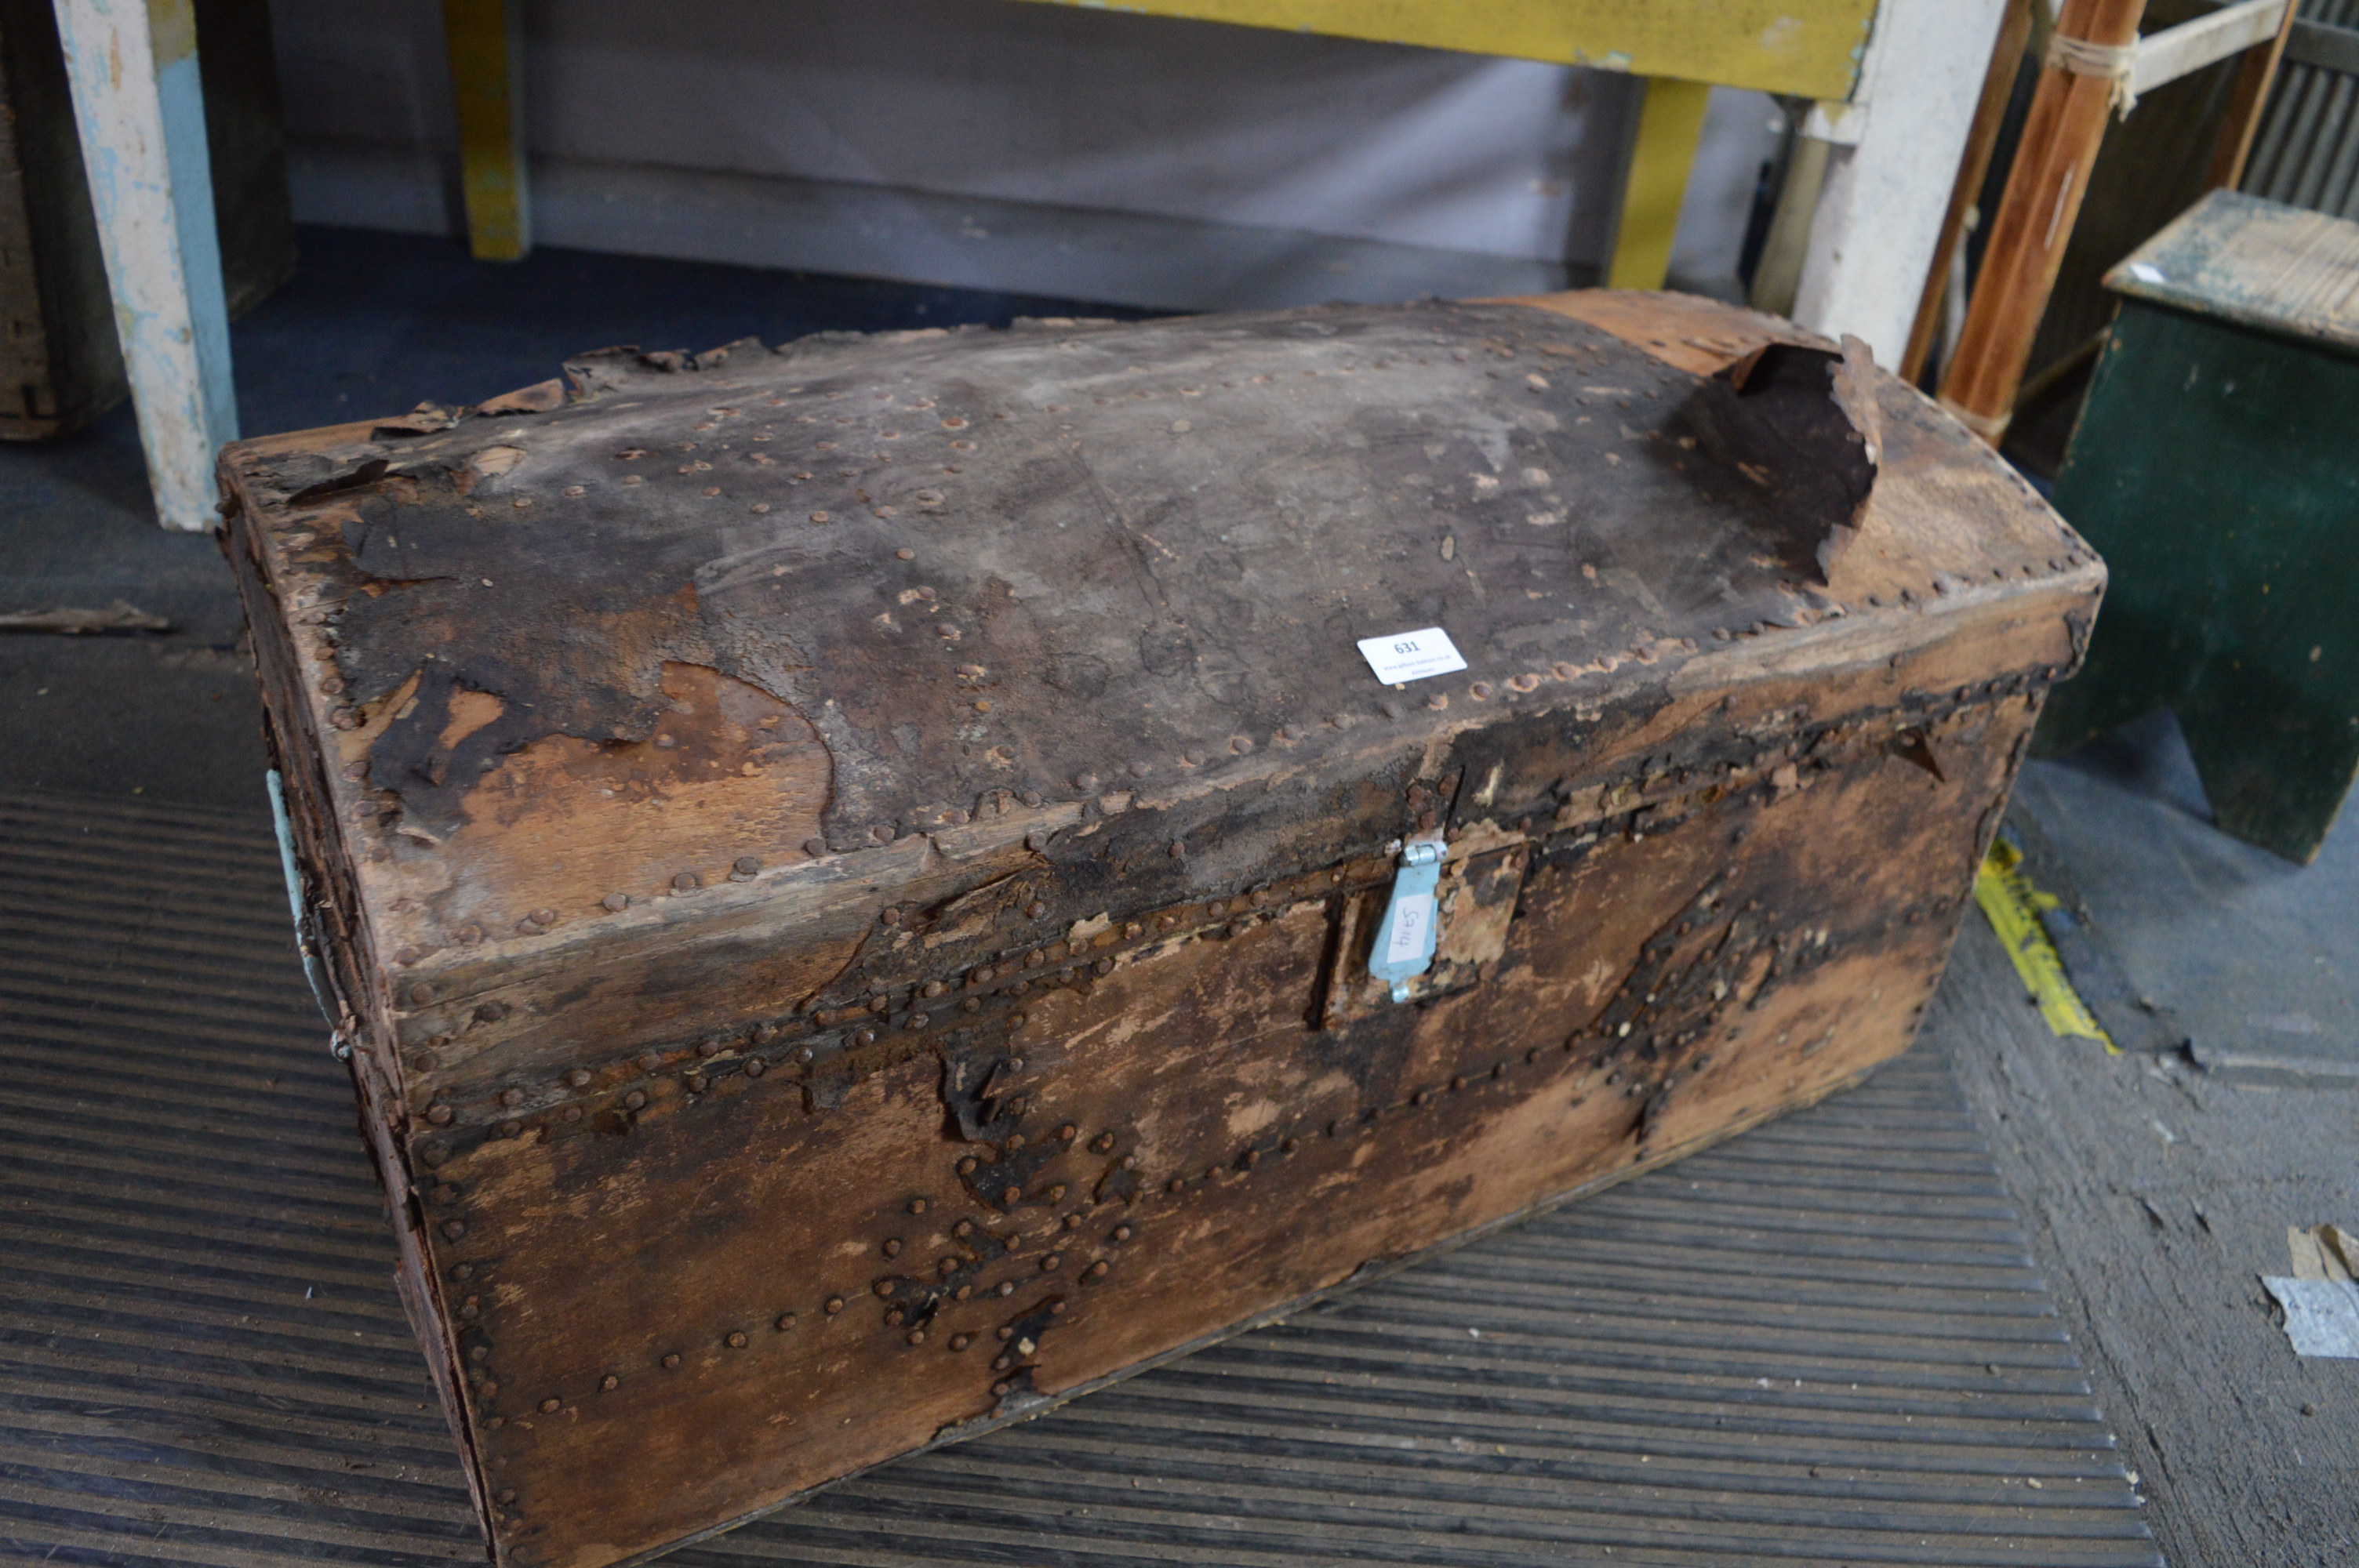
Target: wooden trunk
(848, 873)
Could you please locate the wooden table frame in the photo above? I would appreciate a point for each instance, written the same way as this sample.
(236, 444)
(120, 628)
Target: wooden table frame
(1896, 81)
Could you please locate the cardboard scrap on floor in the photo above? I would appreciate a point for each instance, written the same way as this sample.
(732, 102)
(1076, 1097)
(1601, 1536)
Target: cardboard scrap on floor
(2320, 1299)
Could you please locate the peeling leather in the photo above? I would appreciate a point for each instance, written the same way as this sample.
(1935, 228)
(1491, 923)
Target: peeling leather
(1165, 535)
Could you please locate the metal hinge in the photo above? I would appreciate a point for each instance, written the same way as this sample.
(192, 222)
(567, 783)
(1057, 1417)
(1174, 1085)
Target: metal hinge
(1404, 942)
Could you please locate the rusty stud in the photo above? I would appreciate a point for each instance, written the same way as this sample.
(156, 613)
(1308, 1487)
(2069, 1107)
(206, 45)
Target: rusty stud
(504, 1495)
(1015, 1140)
(866, 1037)
(917, 1205)
(579, 1077)
(891, 917)
(961, 1341)
(1122, 1233)
(511, 1129)
(491, 1013)
(421, 993)
(966, 1168)
(550, 1407)
(1057, 1309)
(883, 1287)
(1104, 966)
(686, 881)
(999, 1364)
(1250, 1158)
(1130, 1161)
(439, 1115)
(1459, 1082)
(895, 1317)
(834, 1305)
(433, 1154)
(572, 1113)
(609, 1383)
(1007, 1332)
(999, 1390)
(947, 1267)
(635, 1100)
(649, 1061)
(1098, 1270)
(1086, 783)
(1013, 1195)
(916, 1336)
(1036, 909)
(479, 1353)
(892, 1247)
(695, 1082)
(1057, 1193)
(671, 1362)
(1069, 1132)
(736, 1341)
(497, 1422)
(616, 902)
(746, 865)
(1102, 1142)
(1175, 1184)
(1006, 1287)
(1140, 770)
(814, 847)
(786, 1321)
(931, 989)
(1389, 710)
(1072, 1222)
(803, 1053)
(756, 1067)
(446, 1193)
(1049, 1265)
(511, 1097)
(918, 1021)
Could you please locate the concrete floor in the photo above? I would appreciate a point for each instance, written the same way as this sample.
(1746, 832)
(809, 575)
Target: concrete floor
(2159, 1182)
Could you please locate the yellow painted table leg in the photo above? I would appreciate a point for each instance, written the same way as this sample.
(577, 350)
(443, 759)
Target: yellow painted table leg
(1671, 124)
(485, 42)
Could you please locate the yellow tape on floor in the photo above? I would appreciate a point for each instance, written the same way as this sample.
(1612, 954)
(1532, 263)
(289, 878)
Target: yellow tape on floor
(2012, 907)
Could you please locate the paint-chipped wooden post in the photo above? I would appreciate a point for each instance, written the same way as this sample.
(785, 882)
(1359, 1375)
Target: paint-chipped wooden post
(1667, 126)
(1895, 159)
(484, 39)
(141, 114)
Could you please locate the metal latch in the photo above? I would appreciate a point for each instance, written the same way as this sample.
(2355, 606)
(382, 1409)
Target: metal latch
(1404, 942)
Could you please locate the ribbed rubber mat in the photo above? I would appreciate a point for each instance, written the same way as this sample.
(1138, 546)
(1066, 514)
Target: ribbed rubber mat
(1822, 1342)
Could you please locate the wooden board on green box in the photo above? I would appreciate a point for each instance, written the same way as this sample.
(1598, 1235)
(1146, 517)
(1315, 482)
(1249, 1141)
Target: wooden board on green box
(2216, 467)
